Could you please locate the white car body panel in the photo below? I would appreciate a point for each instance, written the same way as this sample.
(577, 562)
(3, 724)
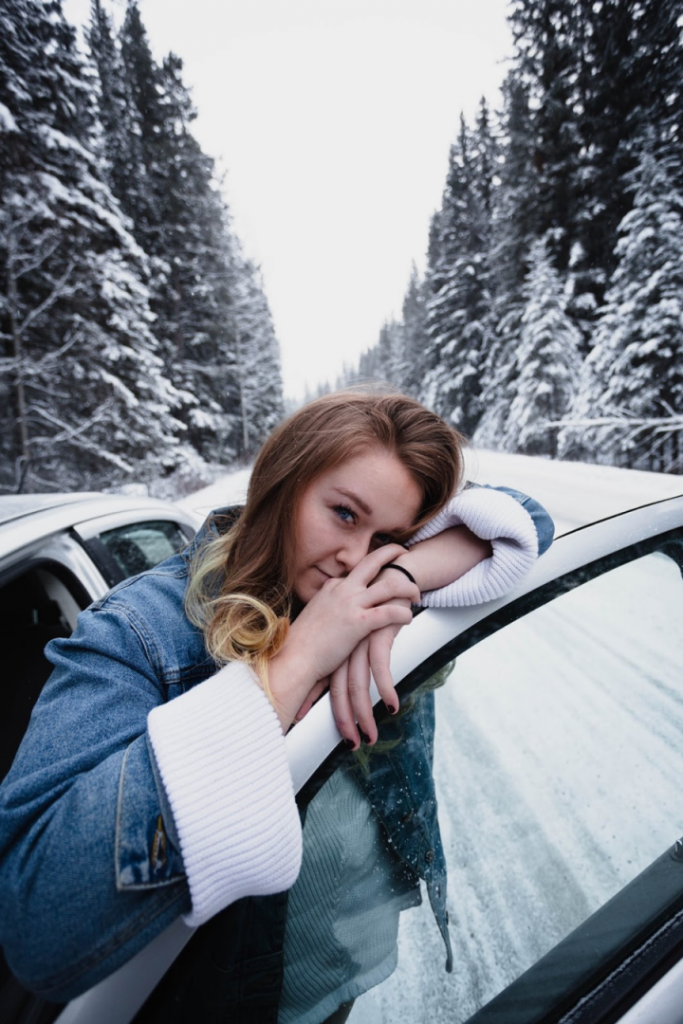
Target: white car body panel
(117, 999)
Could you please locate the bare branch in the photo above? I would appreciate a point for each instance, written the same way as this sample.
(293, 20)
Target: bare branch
(69, 433)
(37, 261)
(58, 292)
(667, 423)
(50, 357)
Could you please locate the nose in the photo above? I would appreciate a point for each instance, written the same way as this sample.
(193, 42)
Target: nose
(353, 550)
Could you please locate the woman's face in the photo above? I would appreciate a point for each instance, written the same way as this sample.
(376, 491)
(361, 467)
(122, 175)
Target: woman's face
(347, 511)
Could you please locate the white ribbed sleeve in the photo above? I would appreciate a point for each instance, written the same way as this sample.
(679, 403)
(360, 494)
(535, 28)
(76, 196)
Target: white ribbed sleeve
(221, 756)
(494, 516)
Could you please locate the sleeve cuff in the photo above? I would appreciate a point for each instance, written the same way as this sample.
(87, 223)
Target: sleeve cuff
(222, 759)
(494, 516)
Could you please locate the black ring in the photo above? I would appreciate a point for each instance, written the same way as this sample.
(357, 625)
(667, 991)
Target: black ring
(392, 565)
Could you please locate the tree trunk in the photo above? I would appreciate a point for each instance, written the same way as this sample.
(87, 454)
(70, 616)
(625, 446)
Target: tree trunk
(19, 393)
(243, 402)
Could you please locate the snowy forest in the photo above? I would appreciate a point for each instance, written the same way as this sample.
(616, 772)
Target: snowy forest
(137, 340)
(550, 317)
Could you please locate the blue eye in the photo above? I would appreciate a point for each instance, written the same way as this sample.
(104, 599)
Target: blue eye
(346, 514)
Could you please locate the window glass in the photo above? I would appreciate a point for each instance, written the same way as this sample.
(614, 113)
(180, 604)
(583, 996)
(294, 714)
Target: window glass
(558, 766)
(141, 546)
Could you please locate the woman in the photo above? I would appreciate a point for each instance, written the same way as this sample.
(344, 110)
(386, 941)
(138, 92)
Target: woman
(153, 783)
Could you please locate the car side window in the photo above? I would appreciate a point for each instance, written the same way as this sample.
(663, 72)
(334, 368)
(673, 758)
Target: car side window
(557, 764)
(136, 547)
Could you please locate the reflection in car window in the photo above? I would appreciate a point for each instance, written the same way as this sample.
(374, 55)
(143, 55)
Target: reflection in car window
(558, 767)
(140, 546)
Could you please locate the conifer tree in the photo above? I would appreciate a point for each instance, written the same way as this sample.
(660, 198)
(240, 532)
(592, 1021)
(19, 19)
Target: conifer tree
(182, 222)
(514, 227)
(630, 63)
(548, 361)
(546, 36)
(636, 367)
(414, 324)
(84, 400)
(458, 284)
(121, 140)
(261, 404)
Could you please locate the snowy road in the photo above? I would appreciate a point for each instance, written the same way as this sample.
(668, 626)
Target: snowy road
(574, 493)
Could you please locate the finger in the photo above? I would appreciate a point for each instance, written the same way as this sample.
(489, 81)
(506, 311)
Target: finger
(359, 691)
(387, 615)
(312, 697)
(341, 705)
(379, 655)
(389, 586)
(370, 564)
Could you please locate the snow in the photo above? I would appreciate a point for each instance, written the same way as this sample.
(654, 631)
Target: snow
(7, 122)
(230, 489)
(575, 493)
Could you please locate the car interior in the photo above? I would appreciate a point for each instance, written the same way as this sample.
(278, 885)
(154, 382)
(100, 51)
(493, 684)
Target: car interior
(35, 606)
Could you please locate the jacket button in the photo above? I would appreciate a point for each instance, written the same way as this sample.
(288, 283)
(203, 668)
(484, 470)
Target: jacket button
(406, 817)
(429, 856)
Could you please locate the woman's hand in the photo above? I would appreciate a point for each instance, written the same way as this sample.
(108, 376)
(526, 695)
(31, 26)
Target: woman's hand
(350, 684)
(338, 617)
(434, 563)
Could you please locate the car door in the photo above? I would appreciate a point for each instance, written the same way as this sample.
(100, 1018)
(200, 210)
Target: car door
(43, 587)
(565, 879)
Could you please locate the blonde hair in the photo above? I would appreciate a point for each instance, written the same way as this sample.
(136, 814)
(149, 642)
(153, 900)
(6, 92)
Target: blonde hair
(241, 580)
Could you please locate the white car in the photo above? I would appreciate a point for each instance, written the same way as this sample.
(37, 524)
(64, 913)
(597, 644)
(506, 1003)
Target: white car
(559, 760)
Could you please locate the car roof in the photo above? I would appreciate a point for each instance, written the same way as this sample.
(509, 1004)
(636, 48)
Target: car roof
(13, 506)
(25, 519)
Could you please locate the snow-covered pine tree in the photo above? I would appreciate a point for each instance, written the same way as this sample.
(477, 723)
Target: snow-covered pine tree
(141, 196)
(515, 225)
(369, 368)
(121, 140)
(414, 316)
(457, 276)
(261, 405)
(186, 229)
(635, 370)
(397, 356)
(548, 360)
(85, 403)
(547, 40)
(629, 66)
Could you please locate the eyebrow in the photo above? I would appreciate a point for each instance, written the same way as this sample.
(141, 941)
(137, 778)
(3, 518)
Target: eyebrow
(354, 497)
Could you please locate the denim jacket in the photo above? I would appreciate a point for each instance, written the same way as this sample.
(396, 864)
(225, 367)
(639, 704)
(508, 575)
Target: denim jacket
(89, 869)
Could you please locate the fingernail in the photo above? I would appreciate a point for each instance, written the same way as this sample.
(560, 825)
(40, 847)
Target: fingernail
(391, 708)
(365, 739)
(349, 744)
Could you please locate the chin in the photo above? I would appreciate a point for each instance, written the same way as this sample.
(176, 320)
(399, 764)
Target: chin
(307, 587)
(303, 593)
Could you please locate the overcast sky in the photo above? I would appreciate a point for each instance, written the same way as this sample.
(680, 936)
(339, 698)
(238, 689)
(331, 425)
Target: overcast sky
(332, 121)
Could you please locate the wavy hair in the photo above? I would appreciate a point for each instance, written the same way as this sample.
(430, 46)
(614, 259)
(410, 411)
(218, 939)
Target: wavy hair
(241, 581)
